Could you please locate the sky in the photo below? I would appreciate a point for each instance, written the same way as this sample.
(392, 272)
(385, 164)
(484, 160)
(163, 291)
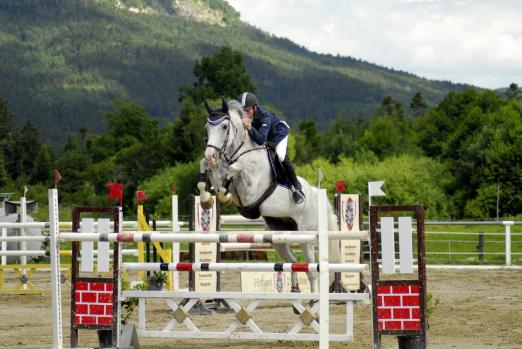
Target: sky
(477, 42)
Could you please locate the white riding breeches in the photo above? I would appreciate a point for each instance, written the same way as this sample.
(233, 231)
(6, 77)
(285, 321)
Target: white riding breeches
(281, 149)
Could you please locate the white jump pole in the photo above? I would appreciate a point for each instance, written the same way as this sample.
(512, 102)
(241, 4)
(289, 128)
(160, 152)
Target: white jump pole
(4, 245)
(184, 237)
(258, 267)
(55, 269)
(24, 253)
(221, 237)
(68, 225)
(117, 274)
(17, 225)
(23, 244)
(325, 268)
(332, 234)
(175, 245)
(23, 238)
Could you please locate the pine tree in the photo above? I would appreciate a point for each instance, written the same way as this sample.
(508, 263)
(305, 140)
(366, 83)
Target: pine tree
(513, 92)
(4, 178)
(417, 105)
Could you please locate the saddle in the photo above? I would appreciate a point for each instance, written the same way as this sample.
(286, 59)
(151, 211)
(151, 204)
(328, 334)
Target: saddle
(279, 177)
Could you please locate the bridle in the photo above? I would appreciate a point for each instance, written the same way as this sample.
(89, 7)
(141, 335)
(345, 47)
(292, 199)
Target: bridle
(221, 150)
(217, 122)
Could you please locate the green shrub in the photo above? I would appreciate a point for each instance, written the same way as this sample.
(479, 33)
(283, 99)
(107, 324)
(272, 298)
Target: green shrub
(159, 188)
(408, 180)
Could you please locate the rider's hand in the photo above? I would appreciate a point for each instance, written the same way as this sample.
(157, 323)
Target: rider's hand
(246, 124)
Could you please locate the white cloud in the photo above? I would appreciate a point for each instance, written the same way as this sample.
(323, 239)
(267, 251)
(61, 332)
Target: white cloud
(478, 42)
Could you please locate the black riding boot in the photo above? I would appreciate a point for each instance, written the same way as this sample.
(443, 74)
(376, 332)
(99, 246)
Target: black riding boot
(297, 194)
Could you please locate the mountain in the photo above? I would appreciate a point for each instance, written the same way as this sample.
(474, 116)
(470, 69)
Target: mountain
(62, 62)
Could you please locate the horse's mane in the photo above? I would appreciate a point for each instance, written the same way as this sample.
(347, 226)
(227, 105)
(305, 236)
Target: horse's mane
(235, 106)
(235, 110)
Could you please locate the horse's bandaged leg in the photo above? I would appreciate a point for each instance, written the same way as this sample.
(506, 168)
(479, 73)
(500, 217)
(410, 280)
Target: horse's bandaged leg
(204, 195)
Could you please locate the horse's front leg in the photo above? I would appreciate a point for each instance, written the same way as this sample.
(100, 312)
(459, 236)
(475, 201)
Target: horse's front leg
(204, 196)
(224, 196)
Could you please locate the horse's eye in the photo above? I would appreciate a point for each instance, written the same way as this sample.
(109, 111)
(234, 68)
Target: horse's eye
(225, 127)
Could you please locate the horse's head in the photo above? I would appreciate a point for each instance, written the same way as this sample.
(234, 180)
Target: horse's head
(223, 127)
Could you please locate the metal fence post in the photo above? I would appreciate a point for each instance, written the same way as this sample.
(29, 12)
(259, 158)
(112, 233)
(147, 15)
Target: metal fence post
(480, 247)
(507, 225)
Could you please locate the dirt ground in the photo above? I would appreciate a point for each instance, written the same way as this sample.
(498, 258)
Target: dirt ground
(476, 309)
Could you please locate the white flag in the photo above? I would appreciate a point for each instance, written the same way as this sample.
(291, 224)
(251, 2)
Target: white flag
(25, 190)
(374, 188)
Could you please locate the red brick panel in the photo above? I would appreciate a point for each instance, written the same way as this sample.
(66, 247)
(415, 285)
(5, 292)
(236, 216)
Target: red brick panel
(93, 303)
(398, 307)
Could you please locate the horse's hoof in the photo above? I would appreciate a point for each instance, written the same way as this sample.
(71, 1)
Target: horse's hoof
(207, 204)
(225, 199)
(296, 312)
(295, 289)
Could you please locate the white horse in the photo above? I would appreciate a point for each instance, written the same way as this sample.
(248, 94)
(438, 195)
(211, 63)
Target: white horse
(232, 156)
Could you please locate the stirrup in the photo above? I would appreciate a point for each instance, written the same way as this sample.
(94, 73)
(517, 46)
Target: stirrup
(298, 196)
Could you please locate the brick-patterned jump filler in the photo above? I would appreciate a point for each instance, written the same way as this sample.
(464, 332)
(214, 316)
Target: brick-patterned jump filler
(94, 300)
(399, 306)
(93, 303)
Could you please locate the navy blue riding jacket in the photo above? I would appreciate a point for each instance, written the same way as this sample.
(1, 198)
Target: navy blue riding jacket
(267, 128)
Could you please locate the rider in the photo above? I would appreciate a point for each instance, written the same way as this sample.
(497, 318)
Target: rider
(265, 127)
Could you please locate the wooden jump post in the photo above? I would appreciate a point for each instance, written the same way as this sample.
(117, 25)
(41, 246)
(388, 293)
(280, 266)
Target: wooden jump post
(399, 306)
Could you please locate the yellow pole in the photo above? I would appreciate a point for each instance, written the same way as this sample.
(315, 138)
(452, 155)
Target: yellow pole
(165, 254)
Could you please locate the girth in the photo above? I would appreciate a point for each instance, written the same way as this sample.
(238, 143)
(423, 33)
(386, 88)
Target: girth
(252, 211)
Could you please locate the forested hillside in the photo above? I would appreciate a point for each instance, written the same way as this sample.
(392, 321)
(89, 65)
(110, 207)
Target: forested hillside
(121, 84)
(64, 61)
(457, 158)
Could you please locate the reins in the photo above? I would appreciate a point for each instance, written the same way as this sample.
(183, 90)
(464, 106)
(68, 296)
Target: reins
(230, 159)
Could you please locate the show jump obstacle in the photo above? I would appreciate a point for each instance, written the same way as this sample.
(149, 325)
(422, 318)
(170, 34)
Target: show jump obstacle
(96, 302)
(399, 305)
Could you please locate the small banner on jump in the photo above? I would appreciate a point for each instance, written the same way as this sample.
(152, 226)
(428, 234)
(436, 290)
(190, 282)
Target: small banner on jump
(350, 249)
(204, 252)
(272, 282)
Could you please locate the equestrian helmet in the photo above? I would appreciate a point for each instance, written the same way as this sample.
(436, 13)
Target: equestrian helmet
(247, 100)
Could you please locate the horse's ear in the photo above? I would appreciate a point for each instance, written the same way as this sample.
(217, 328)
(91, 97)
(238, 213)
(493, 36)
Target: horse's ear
(224, 106)
(209, 108)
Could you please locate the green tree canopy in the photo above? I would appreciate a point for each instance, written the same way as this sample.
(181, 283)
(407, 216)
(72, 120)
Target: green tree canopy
(343, 138)
(390, 131)
(307, 142)
(221, 75)
(478, 136)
